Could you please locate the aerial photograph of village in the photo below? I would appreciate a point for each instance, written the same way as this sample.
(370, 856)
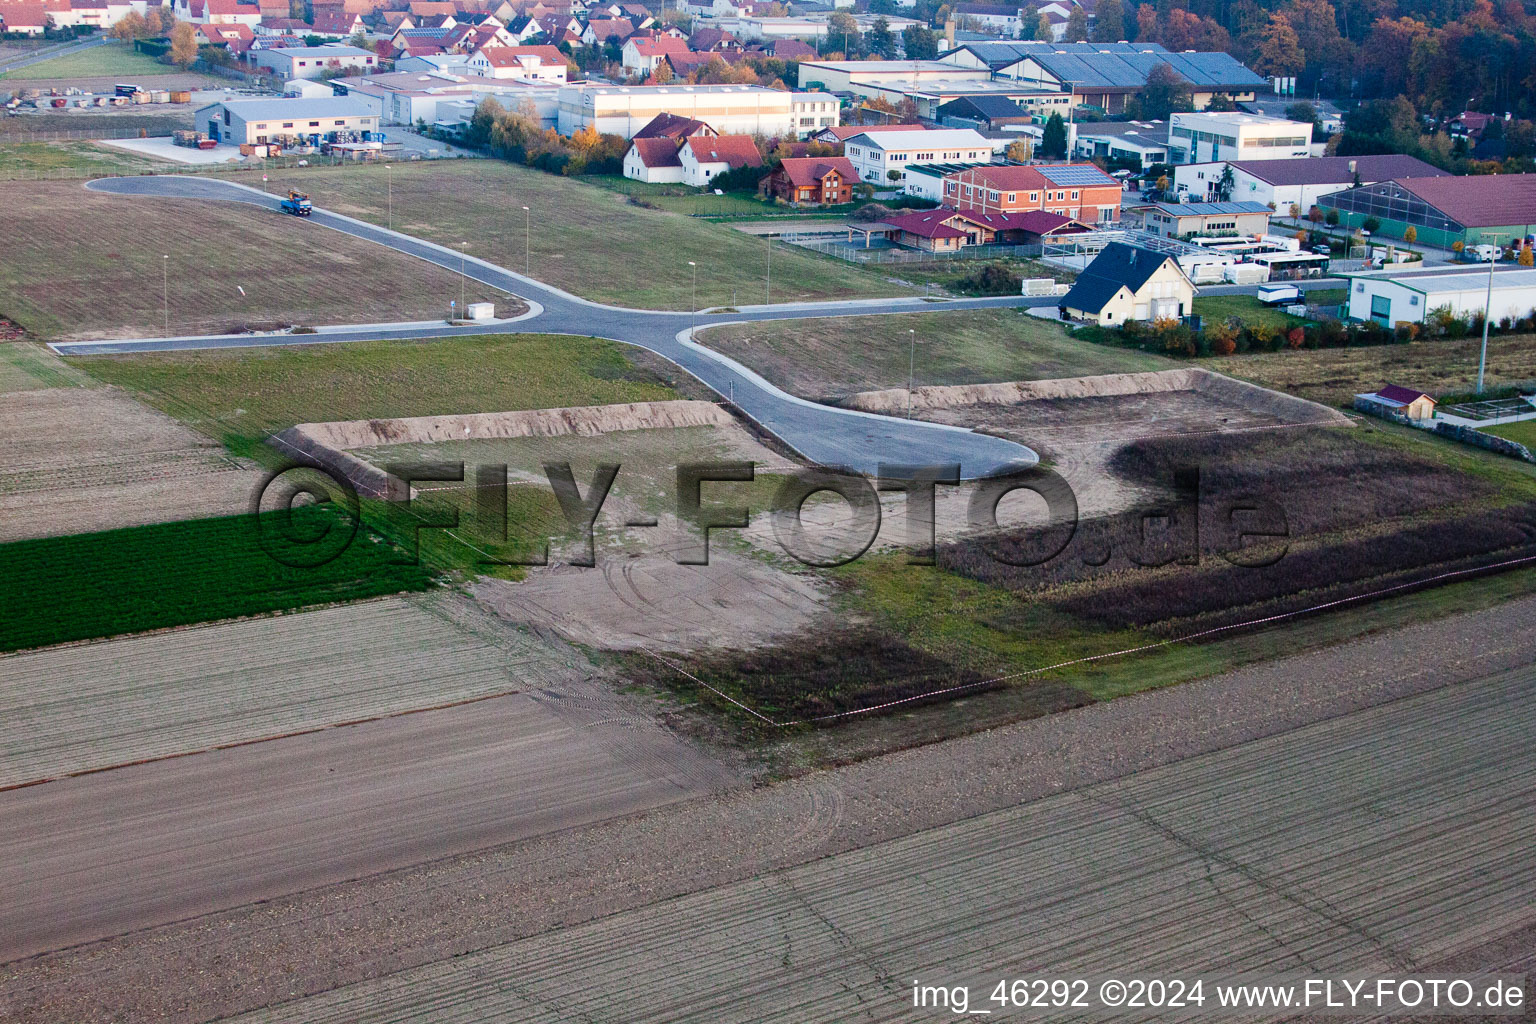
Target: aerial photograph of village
(802, 511)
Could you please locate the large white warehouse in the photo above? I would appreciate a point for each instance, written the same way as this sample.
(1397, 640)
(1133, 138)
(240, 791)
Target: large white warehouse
(1407, 295)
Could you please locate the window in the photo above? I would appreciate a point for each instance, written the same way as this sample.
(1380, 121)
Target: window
(340, 123)
(1074, 195)
(1012, 198)
(314, 124)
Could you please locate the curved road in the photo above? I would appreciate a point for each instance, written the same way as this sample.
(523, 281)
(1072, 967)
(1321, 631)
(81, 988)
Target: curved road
(823, 434)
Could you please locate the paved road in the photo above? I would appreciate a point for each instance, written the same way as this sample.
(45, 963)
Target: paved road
(1379, 842)
(16, 63)
(822, 434)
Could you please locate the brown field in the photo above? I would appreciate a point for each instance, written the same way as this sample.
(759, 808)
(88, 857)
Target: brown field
(82, 265)
(584, 239)
(84, 459)
(159, 119)
(828, 360)
(1332, 376)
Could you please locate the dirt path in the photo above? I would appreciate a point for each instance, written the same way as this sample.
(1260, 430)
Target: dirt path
(316, 941)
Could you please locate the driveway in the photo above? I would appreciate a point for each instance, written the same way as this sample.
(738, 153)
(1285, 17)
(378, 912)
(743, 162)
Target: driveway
(824, 435)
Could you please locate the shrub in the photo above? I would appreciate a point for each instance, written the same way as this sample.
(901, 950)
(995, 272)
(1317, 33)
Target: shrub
(1295, 337)
(993, 279)
(1406, 330)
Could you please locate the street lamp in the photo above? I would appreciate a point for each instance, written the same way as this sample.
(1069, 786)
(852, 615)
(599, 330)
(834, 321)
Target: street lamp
(527, 243)
(389, 191)
(768, 281)
(1482, 359)
(911, 367)
(693, 318)
(461, 279)
(165, 291)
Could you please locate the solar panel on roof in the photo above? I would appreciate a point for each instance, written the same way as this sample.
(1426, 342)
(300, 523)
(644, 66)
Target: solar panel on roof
(1072, 175)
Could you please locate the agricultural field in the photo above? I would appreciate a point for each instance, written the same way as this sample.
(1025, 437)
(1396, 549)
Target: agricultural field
(40, 159)
(828, 360)
(92, 585)
(240, 396)
(587, 240)
(81, 459)
(90, 706)
(114, 61)
(1363, 509)
(81, 264)
(1333, 376)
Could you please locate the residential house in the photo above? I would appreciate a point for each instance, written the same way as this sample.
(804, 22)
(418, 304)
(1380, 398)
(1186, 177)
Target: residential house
(791, 49)
(1080, 191)
(1127, 282)
(946, 229)
(337, 25)
(597, 33)
(840, 133)
(811, 180)
(881, 158)
(218, 12)
(706, 40)
(642, 55)
(237, 39)
(536, 63)
(673, 126)
(990, 17)
(24, 19)
(705, 157)
(654, 159)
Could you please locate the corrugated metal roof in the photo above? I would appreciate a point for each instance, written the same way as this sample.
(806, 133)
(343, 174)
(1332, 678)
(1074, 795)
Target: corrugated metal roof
(1210, 209)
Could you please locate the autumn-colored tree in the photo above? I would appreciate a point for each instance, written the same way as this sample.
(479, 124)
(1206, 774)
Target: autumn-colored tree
(662, 75)
(1018, 151)
(160, 21)
(1146, 23)
(183, 46)
(1527, 257)
(1279, 49)
(1411, 234)
(130, 26)
(1044, 29)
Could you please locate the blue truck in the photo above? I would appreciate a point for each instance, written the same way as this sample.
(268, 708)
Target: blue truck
(297, 204)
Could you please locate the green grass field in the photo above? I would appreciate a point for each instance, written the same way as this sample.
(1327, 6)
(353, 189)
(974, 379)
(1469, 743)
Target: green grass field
(39, 159)
(151, 577)
(587, 240)
(240, 396)
(1245, 308)
(1522, 432)
(109, 61)
(830, 359)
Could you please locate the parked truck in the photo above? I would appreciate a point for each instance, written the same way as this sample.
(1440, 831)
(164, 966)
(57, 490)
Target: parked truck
(297, 204)
(1278, 294)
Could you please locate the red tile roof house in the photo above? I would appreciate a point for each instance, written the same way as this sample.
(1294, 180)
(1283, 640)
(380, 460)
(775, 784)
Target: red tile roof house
(706, 157)
(1401, 401)
(811, 180)
(640, 56)
(673, 126)
(24, 19)
(945, 229)
(838, 134)
(237, 39)
(654, 160)
(599, 32)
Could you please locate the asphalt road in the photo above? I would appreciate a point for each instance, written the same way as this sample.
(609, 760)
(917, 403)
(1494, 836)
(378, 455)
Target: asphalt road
(1377, 843)
(824, 435)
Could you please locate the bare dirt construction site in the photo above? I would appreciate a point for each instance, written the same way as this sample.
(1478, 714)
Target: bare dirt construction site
(84, 458)
(637, 595)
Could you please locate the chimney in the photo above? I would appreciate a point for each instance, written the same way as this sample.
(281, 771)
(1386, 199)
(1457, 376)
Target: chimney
(949, 33)
(1351, 167)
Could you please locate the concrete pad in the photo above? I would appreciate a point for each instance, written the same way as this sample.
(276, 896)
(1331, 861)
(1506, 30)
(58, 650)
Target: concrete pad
(163, 148)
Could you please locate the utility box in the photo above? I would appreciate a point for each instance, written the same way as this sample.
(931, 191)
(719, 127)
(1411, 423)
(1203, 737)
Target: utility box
(481, 311)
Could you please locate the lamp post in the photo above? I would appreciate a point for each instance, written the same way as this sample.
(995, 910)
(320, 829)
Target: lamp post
(911, 367)
(165, 291)
(389, 192)
(768, 281)
(527, 243)
(693, 317)
(1482, 358)
(461, 279)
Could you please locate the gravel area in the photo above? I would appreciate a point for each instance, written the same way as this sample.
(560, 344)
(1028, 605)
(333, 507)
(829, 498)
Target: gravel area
(318, 940)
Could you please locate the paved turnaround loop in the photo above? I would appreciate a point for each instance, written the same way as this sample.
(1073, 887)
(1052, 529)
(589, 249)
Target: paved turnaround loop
(821, 433)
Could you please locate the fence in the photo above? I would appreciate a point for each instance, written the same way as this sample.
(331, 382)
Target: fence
(75, 135)
(859, 254)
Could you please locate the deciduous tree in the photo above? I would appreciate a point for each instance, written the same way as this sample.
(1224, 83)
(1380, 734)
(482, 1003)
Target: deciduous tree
(183, 46)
